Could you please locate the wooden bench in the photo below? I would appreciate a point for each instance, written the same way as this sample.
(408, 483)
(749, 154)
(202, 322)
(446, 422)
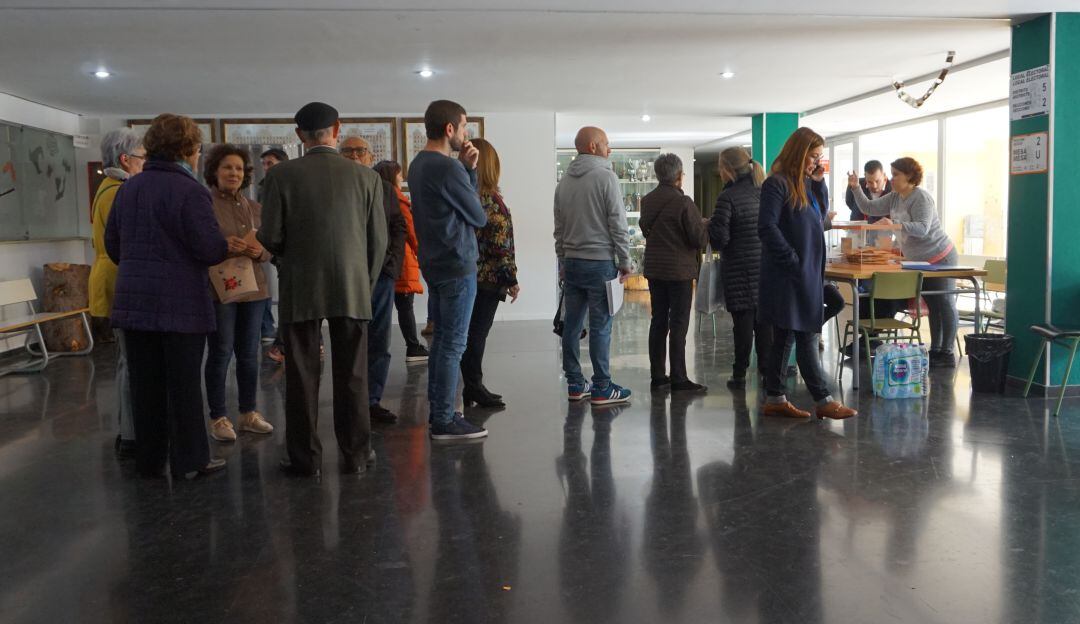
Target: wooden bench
(21, 291)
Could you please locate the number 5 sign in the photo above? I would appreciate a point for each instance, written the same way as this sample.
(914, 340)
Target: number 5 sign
(1029, 153)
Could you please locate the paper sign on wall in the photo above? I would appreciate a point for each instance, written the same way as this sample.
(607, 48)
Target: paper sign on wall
(1029, 95)
(1029, 153)
(81, 141)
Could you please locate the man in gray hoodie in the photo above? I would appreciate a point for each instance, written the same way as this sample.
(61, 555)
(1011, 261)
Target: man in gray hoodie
(593, 246)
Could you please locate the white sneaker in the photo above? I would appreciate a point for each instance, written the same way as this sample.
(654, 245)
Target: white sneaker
(222, 430)
(253, 422)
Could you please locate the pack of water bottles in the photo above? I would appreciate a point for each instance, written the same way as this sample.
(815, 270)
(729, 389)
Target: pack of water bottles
(901, 371)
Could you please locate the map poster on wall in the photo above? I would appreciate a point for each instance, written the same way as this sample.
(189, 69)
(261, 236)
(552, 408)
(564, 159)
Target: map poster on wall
(260, 131)
(208, 127)
(380, 133)
(1029, 153)
(414, 137)
(1029, 93)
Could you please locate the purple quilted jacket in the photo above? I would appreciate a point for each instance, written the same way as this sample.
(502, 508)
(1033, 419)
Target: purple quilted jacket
(163, 235)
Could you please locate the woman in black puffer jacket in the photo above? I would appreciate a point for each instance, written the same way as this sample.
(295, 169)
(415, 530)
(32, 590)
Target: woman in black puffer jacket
(733, 231)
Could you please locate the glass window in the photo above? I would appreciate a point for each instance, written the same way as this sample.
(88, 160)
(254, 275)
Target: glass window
(977, 181)
(843, 161)
(918, 141)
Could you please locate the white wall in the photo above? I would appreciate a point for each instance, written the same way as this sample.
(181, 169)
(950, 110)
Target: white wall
(26, 259)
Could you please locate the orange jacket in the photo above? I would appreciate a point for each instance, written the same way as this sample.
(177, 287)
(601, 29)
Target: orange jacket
(409, 280)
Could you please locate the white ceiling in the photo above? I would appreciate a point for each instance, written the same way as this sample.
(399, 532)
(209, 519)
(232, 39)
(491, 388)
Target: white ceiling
(261, 62)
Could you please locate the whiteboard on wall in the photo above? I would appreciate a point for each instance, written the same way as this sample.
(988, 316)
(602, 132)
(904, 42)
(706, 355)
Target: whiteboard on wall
(37, 184)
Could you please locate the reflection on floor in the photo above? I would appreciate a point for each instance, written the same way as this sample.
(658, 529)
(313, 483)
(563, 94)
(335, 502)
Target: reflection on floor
(958, 508)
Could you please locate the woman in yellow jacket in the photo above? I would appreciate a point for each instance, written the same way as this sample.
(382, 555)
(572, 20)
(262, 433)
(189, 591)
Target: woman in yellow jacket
(123, 155)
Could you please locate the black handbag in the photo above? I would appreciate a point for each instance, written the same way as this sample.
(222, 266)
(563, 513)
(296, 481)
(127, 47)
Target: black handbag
(558, 324)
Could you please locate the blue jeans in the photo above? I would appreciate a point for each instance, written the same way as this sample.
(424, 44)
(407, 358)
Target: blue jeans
(268, 330)
(123, 389)
(585, 290)
(378, 355)
(238, 329)
(451, 307)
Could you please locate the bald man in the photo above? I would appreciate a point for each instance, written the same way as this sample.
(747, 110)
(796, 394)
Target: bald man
(382, 296)
(593, 246)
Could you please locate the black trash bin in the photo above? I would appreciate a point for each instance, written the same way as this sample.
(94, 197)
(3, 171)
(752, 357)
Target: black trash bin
(988, 359)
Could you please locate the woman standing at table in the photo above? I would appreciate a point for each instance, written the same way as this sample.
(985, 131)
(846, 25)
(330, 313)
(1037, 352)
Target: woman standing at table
(790, 224)
(922, 239)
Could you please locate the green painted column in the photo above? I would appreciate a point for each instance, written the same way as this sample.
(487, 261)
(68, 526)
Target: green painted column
(769, 132)
(1044, 219)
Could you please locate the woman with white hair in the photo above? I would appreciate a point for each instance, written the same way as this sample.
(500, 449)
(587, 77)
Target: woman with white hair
(123, 155)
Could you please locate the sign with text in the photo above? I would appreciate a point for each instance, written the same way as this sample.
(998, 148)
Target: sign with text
(1029, 153)
(1029, 93)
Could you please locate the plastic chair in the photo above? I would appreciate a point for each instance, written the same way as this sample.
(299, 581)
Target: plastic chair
(1050, 334)
(890, 285)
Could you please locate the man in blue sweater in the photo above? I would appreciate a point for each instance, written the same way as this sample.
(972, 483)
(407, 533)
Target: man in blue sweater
(447, 213)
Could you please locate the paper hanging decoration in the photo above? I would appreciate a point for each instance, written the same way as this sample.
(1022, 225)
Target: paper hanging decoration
(918, 102)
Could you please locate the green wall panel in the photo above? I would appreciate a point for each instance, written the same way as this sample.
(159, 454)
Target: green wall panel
(1065, 276)
(1028, 196)
(769, 132)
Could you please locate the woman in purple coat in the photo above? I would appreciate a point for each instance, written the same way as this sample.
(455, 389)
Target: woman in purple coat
(790, 225)
(163, 235)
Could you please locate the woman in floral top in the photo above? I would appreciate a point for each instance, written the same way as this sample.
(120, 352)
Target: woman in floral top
(496, 276)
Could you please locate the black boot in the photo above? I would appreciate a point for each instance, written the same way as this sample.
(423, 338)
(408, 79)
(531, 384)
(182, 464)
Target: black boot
(471, 396)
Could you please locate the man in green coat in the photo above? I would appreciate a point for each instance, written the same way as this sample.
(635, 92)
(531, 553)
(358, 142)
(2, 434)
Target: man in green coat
(322, 216)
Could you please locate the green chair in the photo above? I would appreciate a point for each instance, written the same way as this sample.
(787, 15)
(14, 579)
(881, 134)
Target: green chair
(1050, 334)
(890, 285)
(993, 282)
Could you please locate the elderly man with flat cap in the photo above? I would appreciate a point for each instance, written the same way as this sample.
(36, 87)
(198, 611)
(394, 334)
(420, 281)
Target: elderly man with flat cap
(358, 150)
(323, 216)
(592, 243)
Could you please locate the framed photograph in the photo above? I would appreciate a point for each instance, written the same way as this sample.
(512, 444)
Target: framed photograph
(379, 132)
(414, 137)
(207, 126)
(275, 132)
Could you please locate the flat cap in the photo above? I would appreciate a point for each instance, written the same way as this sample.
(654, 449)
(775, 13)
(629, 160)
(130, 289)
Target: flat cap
(315, 116)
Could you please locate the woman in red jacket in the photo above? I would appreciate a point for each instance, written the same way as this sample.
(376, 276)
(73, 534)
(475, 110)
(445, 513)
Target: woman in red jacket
(408, 283)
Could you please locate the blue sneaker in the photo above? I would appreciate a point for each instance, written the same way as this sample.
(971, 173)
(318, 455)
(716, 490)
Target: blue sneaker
(457, 429)
(613, 393)
(577, 392)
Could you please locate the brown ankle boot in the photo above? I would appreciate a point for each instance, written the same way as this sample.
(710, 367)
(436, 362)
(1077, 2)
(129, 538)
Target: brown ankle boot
(835, 410)
(785, 410)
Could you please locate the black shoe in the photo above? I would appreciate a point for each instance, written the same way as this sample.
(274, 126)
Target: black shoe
(415, 354)
(943, 359)
(380, 414)
(213, 465)
(491, 394)
(688, 386)
(288, 468)
(479, 397)
(736, 382)
(661, 382)
(349, 468)
(458, 429)
(125, 449)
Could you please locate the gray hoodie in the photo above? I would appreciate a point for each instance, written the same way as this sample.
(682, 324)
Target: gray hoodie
(590, 221)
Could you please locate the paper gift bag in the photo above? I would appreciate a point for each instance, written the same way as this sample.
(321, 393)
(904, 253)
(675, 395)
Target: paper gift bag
(233, 279)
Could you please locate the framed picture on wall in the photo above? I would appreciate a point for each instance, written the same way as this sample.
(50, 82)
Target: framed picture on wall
(208, 127)
(414, 137)
(379, 132)
(259, 131)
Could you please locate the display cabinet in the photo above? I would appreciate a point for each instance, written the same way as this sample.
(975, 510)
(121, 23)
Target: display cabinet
(634, 168)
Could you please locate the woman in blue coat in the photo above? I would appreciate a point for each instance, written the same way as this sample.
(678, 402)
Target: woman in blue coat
(790, 225)
(163, 235)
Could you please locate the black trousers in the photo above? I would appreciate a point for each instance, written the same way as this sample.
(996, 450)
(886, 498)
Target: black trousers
(303, 368)
(406, 318)
(670, 322)
(483, 315)
(167, 400)
(806, 354)
(834, 302)
(750, 332)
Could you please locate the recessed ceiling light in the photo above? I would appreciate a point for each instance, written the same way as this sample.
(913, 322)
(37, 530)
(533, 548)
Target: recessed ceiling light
(728, 75)
(646, 118)
(425, 73)
(101, 73)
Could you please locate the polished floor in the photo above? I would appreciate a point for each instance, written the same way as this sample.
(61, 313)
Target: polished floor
(957, 508)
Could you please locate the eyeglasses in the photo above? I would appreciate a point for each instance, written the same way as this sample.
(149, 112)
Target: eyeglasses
(349, 151)
(817, 158)
(136, 156)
